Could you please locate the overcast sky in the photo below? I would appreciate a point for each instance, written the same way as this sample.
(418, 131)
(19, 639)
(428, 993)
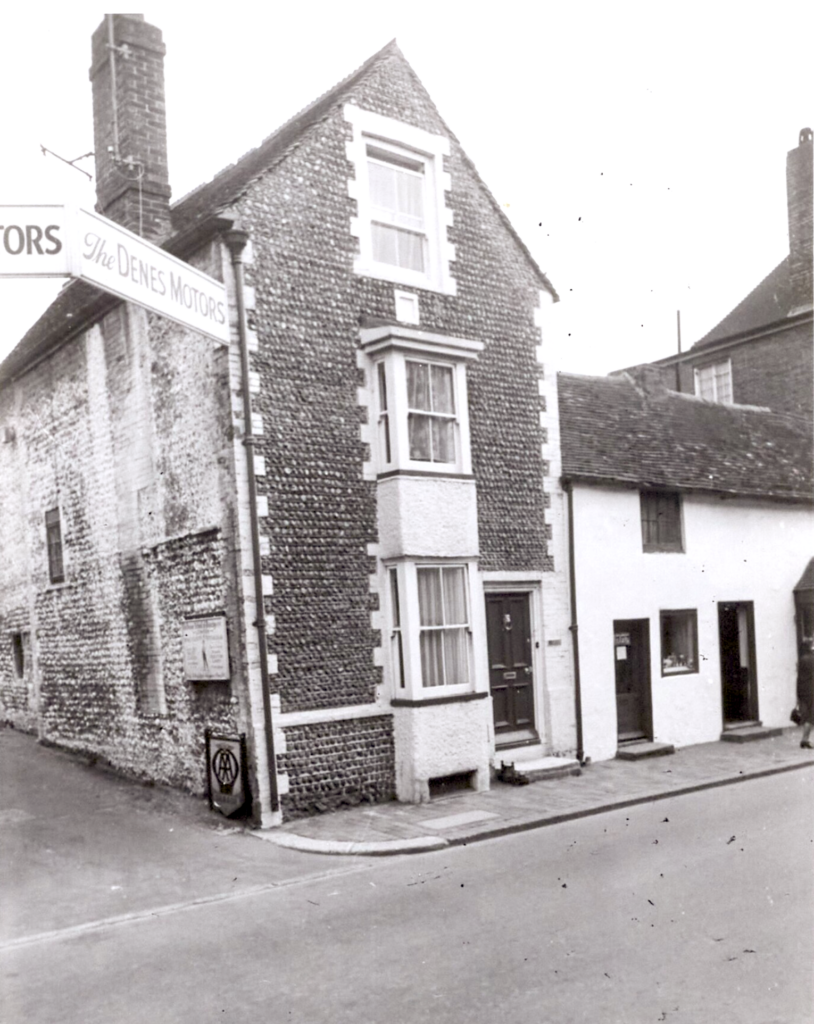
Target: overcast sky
(638, 148)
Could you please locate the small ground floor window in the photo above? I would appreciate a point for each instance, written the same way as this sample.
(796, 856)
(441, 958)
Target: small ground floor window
(679, 642)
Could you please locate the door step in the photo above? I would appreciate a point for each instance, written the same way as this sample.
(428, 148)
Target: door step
(644, 748)
(748, 733)
(541, 767)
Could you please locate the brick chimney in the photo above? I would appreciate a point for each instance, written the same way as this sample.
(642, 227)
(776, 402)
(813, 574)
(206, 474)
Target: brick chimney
(130, 125)
(800, 199)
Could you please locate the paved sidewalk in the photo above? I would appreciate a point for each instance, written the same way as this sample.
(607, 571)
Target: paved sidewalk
(467, 816)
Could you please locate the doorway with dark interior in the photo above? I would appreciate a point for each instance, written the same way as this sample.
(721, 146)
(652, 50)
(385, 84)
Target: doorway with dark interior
(736, 639)
(631, 655)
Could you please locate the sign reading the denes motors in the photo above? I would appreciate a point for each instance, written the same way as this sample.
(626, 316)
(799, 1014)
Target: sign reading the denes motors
(54, 241)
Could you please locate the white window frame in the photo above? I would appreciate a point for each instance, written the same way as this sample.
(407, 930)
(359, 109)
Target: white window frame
(408, 142)
(713, 368)
(391, 348)
(410, 684)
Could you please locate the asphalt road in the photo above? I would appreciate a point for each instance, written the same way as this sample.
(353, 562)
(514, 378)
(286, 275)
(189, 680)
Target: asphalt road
(693, 909)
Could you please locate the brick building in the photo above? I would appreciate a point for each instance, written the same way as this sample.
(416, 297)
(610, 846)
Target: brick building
(762, 352)
(379, 485)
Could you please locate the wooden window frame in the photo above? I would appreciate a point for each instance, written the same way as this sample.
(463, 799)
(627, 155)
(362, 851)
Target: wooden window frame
(669, 535)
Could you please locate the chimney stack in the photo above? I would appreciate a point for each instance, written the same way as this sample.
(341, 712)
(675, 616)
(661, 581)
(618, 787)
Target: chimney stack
(130, 125)
(800, 200)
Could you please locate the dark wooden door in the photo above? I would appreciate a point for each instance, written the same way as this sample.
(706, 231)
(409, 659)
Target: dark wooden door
(736, 639)
(508, 626)
(631, 654)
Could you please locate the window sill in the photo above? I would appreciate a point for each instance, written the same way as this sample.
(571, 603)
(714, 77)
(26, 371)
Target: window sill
(669, 672)
(451, 698)
(662, 551)
(441, 471)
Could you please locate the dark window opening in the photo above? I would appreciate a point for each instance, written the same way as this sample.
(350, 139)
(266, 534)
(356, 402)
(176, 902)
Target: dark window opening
(53, 535)
(18, 654)
(661, 521)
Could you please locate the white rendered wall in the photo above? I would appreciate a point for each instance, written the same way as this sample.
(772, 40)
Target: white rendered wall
(438, 740)
(734, 551)
(423, 516)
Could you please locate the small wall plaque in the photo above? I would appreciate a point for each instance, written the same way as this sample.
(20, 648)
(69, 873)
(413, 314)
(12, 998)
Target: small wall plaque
(206, 649)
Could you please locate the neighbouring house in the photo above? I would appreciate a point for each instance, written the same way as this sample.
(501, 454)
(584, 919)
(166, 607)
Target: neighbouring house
(334, 540)
(762, 352)
(691, 522)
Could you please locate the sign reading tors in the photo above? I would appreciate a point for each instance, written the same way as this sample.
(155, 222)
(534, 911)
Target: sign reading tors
(55, 241)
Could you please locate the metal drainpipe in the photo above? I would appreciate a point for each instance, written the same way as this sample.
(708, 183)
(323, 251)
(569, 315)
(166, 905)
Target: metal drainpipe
(236, 240)
(574, 627)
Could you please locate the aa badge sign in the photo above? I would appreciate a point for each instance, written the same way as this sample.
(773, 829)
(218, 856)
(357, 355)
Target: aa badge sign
(226, 772)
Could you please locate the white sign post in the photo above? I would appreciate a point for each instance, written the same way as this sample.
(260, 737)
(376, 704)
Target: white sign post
(55, 241)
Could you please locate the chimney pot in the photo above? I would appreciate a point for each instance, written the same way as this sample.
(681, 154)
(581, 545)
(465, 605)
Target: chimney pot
(800, 198)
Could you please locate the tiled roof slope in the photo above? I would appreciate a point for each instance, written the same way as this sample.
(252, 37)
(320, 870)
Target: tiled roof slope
(615, 431)
(769, 302)
(807, 579)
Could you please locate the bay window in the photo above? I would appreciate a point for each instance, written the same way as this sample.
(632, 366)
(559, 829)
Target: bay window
(430, 629)
(419, 403)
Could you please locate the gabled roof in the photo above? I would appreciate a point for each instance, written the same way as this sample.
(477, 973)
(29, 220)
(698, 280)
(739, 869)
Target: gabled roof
(771, 301)
(199, 214)
(615, 431)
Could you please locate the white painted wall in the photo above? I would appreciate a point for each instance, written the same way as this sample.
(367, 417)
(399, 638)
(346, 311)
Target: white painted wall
(424, 516)
(734, 551)
(438, 740)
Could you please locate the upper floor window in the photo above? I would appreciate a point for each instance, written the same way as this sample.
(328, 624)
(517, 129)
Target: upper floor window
(714, 382)
(431, 417)
(661, 521)
(53, 539)
(398, 228)
(419, 399)
(399, 185)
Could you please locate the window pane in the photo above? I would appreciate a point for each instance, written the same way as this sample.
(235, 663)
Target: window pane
(442, 391)
(385, 244)
(443, 440)
(418, 429)
(678, 642)
(455, 656)
(411, 196)
(723, 383)
(455, 596)
(382, 386)
(394, 597)
(432, 658)
(705, 386)
(418, 385)
(410, 248)
(383, 186)
(429, 597)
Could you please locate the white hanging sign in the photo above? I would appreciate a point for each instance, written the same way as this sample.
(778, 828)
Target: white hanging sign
(55, 241)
